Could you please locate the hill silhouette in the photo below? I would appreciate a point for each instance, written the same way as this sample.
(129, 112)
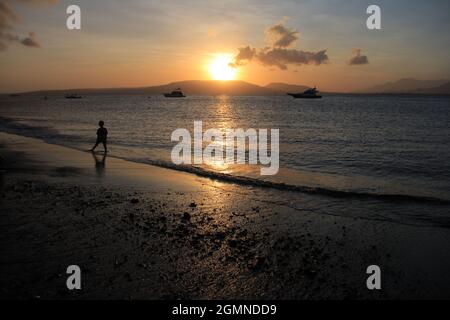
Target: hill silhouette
(190, 88)
(214, 88)
(284, 87)
(242, 88)
(406, 86)
(442, 89)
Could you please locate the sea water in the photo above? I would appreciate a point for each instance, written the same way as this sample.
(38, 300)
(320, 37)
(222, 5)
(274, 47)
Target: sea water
(387, 151)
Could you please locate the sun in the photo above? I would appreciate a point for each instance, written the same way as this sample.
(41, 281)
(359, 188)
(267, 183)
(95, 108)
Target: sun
(220, 68)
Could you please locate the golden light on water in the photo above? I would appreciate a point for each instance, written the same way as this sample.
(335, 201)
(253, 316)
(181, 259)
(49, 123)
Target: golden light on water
(220, 68)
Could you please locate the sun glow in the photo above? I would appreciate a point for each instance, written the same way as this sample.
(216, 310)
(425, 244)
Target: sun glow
(220, 69)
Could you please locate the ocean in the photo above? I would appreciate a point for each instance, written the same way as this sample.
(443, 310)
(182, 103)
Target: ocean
(373, 157)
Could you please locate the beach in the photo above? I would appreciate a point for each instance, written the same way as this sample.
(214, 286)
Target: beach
(139, 231)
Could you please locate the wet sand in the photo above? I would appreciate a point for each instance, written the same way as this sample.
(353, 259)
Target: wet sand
(143, 232)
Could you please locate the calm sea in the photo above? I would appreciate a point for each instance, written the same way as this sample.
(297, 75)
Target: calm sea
(392, 152)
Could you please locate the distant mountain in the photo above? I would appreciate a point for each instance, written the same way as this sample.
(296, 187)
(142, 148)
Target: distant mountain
(189, 87)
(442, 89)
(214, 88)
(284, 87)
(405, 86)
(241, 88)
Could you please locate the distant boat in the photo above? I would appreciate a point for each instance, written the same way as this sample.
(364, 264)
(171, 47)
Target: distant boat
(177, 93)
(73, 96)
(307, 94)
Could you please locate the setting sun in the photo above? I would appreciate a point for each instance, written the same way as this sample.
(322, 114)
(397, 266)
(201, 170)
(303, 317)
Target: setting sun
(220, 68)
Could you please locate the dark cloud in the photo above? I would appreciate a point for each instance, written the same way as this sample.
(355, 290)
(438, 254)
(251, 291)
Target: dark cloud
(281, 57)
(7, 15)
(277, 53)
(281, 36)
(245, 55)
(8, 18)
(358, 58)
(30, 41)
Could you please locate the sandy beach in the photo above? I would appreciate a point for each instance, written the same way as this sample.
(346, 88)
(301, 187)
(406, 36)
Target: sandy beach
(142, 232)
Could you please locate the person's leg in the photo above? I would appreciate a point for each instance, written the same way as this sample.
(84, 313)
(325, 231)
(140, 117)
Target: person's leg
(95, 146)
(104, 146)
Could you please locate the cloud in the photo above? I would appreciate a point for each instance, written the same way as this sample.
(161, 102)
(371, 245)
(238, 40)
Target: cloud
(278, 53)
(8, 18)
(29, 41)
(7, 15)
(281, 36)
(245, 55)
(281, 57)
(357, 58)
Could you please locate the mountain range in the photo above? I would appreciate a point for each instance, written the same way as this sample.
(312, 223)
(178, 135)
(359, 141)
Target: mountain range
(241, 88)
(189, 87)
(412, 86)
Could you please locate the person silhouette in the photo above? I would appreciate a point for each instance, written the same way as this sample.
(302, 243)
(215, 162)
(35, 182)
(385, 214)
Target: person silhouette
(102, 133)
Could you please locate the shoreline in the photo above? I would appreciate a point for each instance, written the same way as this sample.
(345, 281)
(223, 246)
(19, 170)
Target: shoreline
(144, 232)
(309, 184)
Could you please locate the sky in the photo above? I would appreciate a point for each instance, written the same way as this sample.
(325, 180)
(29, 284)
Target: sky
(322, 43)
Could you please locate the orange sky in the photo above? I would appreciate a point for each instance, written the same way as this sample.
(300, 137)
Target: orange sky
(143, 43)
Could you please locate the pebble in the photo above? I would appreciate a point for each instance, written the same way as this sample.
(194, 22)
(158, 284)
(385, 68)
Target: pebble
(186, 216)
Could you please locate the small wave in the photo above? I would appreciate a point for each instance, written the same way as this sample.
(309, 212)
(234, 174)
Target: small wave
(50, 135)
(241, 180)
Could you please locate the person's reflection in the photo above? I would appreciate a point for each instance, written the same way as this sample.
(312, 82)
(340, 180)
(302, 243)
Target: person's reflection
(99, 164)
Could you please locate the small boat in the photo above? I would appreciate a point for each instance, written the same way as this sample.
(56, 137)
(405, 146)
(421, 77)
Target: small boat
(73, 96)
(177, 93)
(307, 94)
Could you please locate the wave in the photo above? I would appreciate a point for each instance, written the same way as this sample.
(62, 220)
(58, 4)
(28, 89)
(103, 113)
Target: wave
(50, 135)
(241, 180)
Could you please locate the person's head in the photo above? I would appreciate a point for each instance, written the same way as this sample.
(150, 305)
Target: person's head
(101, 123)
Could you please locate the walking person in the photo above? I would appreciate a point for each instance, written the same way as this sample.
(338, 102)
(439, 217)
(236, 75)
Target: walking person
(102, 134)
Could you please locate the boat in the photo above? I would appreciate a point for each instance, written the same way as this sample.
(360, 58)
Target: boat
(73, 96)
(307, 94)
(177, 93)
